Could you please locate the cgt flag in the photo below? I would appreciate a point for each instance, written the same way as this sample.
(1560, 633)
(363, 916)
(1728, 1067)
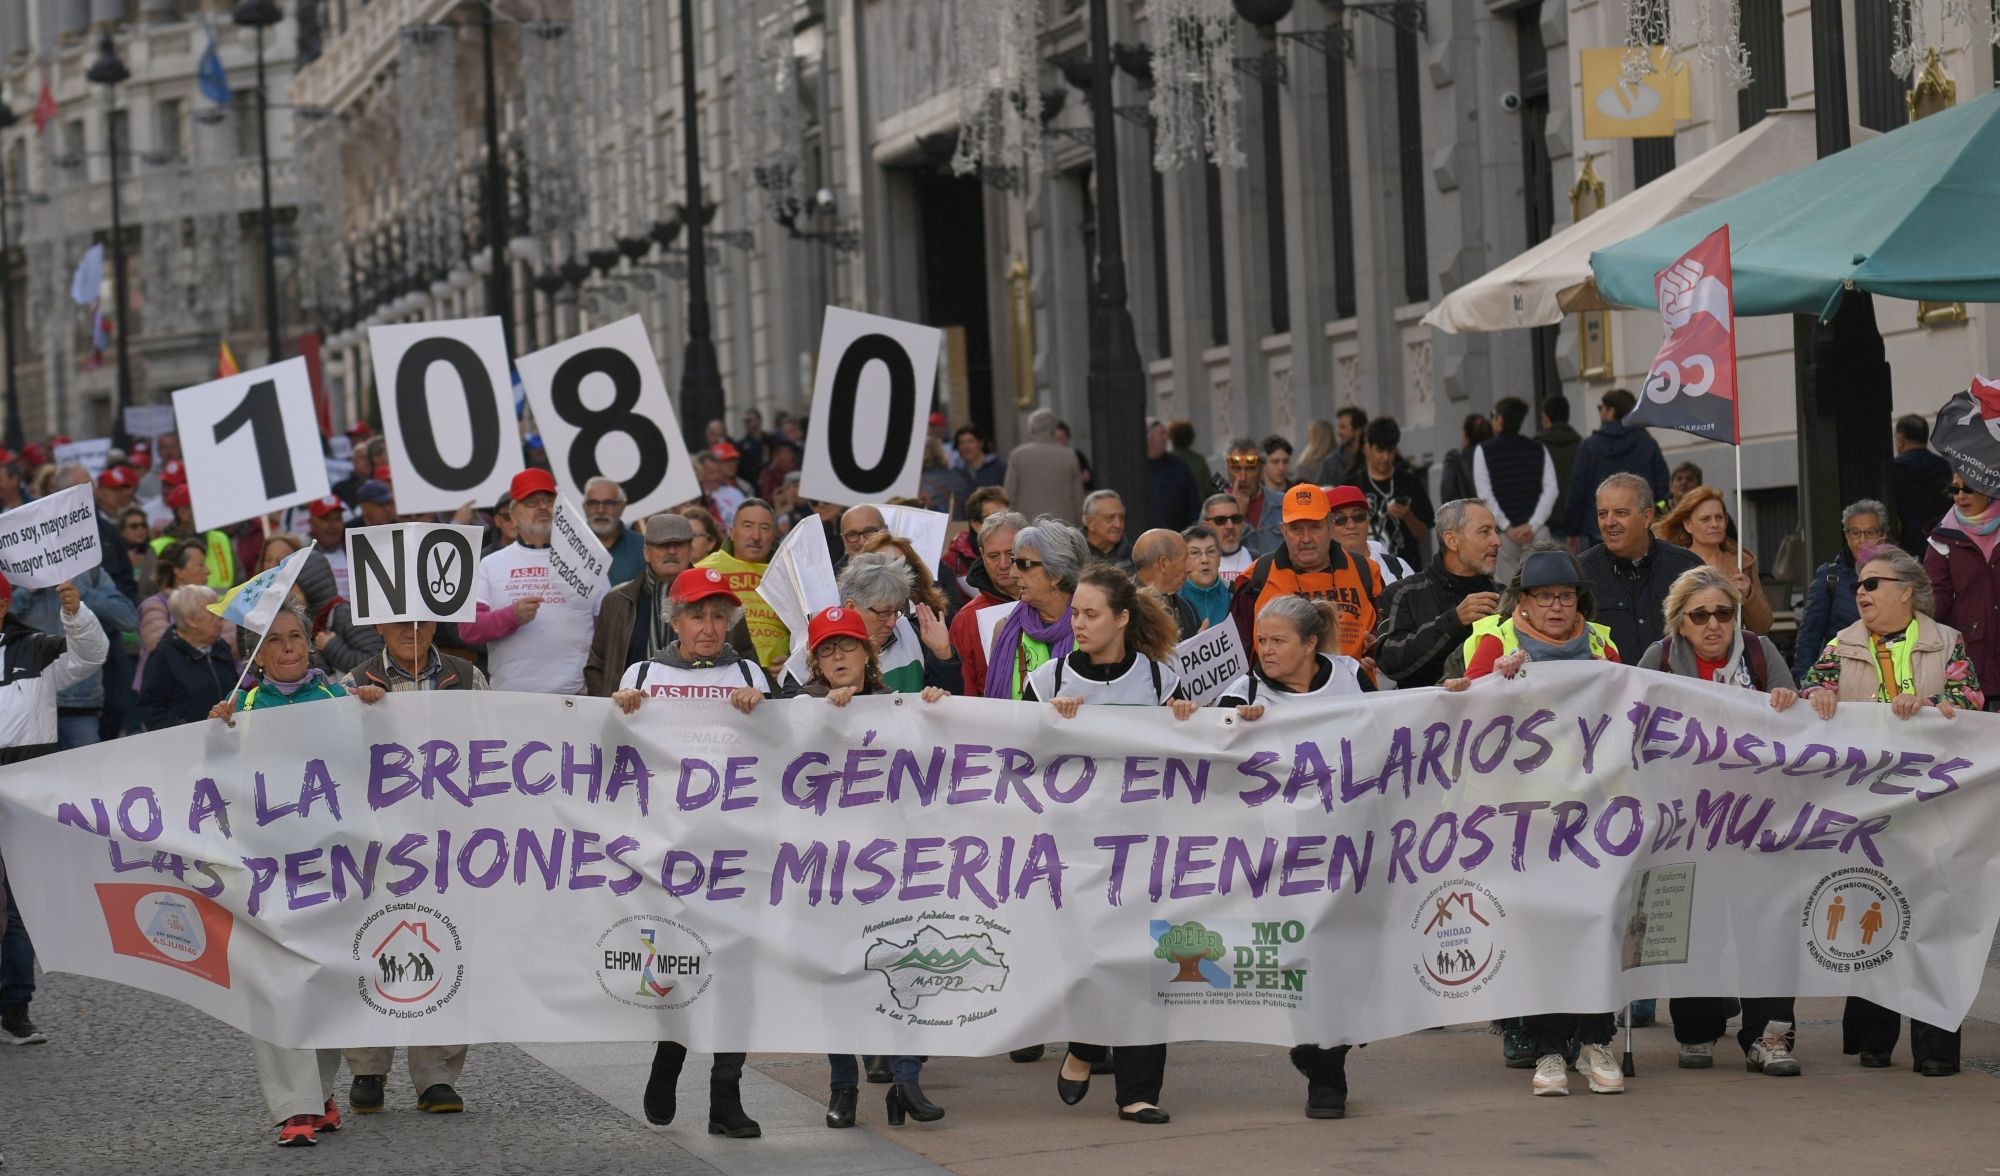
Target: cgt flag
(1968, 435)
(1692, 386)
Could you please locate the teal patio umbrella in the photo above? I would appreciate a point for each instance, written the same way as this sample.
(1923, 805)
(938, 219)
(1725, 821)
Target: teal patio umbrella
(1912, 214)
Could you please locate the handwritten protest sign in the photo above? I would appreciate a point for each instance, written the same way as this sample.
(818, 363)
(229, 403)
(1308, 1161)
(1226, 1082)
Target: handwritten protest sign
(575, 556)
(1210, 660)
(50, 539)
(92, 455)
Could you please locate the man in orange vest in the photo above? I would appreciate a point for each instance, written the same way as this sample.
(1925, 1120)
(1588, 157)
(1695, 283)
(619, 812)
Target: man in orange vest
(1310, 564)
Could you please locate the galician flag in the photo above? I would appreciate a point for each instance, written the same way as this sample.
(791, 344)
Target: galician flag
(256, 601)
(1692, 385)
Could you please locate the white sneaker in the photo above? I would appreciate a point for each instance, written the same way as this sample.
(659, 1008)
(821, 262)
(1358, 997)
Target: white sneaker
(1550, 1075)
(1772, 1053)
(1697, 1055)
(1600, 1069)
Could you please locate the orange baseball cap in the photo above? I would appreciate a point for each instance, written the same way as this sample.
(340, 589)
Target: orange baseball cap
(1306, 501)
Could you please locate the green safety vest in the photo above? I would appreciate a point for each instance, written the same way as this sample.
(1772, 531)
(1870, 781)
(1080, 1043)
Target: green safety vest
(1899, 661)
(1503, 628)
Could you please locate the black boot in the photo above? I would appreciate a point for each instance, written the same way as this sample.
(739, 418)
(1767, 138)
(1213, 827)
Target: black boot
(909, 1097)
(725, 1111)
(667, 1059)
(840, 1107)
(877, 1068)
(1325, 1072)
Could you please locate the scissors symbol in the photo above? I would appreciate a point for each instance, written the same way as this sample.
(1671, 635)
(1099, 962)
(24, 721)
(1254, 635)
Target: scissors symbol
(442, 565)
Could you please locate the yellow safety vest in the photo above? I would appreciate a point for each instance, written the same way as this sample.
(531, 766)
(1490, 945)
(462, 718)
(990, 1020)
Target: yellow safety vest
(1900, 661)
(221, 557)
(1503, 628)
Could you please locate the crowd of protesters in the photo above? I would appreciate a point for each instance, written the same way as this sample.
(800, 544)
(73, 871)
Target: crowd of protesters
(1339, 572)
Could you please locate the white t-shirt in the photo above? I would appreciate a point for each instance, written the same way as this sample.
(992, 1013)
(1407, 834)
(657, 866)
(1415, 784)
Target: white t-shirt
(1147, 683)
(1235, 565)
(337, 560)
(664, 681)
(546, 655)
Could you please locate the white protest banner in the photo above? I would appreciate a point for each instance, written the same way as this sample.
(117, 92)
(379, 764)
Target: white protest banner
(925, 529)
(871, 404)
(957, 878)
(149, 420)
(604, 411)
(250, 443)
(413, 572)
(92, 455)
(49, 540)
(448, 411)
(1210, 660)
(576, 556)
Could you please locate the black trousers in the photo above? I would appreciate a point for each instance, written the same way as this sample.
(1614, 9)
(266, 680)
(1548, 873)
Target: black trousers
(1699, 1019)
(726, 1067)
(1551, 1033)
(1322, 1066)
(1866, 1027)
(1138, 1070)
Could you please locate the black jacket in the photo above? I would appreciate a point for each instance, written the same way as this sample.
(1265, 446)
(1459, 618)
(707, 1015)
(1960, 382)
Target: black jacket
(1917, 481)
(183, 682)
(1418, 626)
(1632, 594)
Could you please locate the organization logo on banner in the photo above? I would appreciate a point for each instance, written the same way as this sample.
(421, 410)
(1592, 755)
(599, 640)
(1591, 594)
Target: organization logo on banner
(1229, 962)
(170, 926)
(650, 962)
(1854, 918)
(932, 963)
(1460, 952)
(412, 960)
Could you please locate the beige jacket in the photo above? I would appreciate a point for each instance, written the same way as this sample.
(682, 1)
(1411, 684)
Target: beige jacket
(1859, 677)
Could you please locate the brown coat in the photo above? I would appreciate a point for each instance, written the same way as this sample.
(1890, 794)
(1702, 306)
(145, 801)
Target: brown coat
(1859, 677)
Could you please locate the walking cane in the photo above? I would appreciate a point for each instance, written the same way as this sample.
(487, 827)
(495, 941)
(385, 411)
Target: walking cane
(1626, 1065)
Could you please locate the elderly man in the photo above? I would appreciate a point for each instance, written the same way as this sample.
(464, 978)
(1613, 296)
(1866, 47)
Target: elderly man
(994, 579)
(1310, 564)
(1424, 617)
(537, 633)
(753, 535)
(113, 494)
(1260, 507)
(1224, 516)
(376, 501)
(1044, 476)
(1631, 571)
(632, 626)
(858, 524)
(604, 510)
(1104, 529)
(1160, 560)
(1173, 500)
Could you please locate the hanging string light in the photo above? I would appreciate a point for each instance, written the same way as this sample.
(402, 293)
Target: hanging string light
(1716, 41)
(997, 69)
(769, 119)
(551, 134)
(1196, 106)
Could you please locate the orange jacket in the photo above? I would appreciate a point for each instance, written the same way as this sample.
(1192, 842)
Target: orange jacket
(1353, 590)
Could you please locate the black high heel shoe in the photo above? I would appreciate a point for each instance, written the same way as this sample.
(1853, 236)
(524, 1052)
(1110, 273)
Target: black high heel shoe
(840, 1107)
(908, 1097)
(1070, 1090)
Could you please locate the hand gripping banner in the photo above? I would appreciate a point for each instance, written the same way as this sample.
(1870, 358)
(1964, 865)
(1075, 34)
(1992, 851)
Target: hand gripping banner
(968, 876)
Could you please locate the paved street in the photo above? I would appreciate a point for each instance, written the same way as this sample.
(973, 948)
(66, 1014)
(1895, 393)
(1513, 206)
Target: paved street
(132, 1082)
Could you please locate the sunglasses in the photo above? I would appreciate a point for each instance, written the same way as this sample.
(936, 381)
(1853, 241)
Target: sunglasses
(1874, 582)
(1026, 565)
(1954, 490)
(1245, 463)
(1705, 616)
(1228, 520)
(1348, 518)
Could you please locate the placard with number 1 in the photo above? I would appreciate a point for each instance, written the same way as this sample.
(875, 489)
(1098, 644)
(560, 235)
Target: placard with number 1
(251, 444)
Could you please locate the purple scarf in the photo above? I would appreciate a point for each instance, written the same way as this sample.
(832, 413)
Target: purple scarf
(1007, 645)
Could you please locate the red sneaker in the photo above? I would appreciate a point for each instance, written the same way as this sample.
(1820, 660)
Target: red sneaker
(297, 1131)
(329, 1121)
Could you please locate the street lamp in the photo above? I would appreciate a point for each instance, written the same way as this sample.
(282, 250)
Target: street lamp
(261, 15)
(701, 375)
(1117, 383)
(14, 435)
(108, 71)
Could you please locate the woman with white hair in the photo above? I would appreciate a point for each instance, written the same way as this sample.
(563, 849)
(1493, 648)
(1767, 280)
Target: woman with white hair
(877, 586)
(1049, 559)
(191, 668)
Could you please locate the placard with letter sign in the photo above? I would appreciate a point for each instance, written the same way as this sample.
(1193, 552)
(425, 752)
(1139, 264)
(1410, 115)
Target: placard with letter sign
(799, 580)
(149, 420)
(250, 443)
(871, 405)
(92, 455)
(604, 411)
(413, 572)
(925, 530)
(448, 411)
(1209, 661)
(49, 540)
(576, 556)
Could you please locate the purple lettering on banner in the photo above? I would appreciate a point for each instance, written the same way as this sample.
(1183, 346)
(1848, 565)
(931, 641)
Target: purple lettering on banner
(1659, 729)
(721, 870)
(817, 784)
(863, 765)
(1254, 768)
(119, 863)
(546, 860)
(1137, 769)
(481, 879)
(99, 821)
(808, 867)
(1504, 724)
(441, 867)
(319, 785)
(441, 759)
(1017, 768)
(1942, 773)
(1470, 830)
(1825, 833)
(920, 778)
(1778, 758)
(616, 849)
(267, 812)
(962, 770)
(1397, 762)
(403, 855)
(1237, 863)
(1571, 817)
(1433, 862)
(1743, 832)
(1189, 860)
(540, 784)
(969, 856)
(485, 759)
(583, 854)
(1310, 774)
(1402, 840)
(1345, 863)
(916, 863)
(263, 871)
(1801, 765)
(1300, 858)
(1710, 813)
(671, 882)
(836, 888)
(388, 763)
(1521, 811)
(1042, 867)
(1529, 732)
(298, 877)
(1635, 817)
(1156, 876)
(869, 861)
(207, 804)
(1768, 843)
(688, 798)
(736, 780)
(1194, 780)
(1437, 741)
(1120, 845)
(1672, 821)
(1864, 833)
(1745, 750)
(1076, 791)
(1591, 735)
(342, 866)
(629, 770)
(590, 771)
(149, 805)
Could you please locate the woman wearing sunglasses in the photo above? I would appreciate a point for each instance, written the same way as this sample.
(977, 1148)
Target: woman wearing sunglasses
(1899, 654)
(1706, 639)
(1963, 562)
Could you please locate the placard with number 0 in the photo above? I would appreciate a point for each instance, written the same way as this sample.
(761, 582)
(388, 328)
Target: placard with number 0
(448, 410)
(871, 403)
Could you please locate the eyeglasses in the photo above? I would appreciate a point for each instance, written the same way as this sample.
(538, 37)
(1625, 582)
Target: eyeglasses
(886, 614)
(602, 503)
(1704, 617)
(1553, 599)
(1873, 583)
(1026, 565)
(1348, 518)
(1875, 533)
(861, 536)
(1228, 520)
(1004, 559)
(1245, 463)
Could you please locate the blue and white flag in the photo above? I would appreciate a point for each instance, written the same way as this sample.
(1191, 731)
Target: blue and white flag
(87, 283)
(213, 79)
(256, 601)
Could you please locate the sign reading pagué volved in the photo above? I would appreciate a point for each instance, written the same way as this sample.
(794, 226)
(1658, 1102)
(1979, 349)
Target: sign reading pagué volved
(967, 876)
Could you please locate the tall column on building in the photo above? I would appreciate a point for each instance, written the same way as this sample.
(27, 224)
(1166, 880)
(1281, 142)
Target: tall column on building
(72, 18)
(105, 13)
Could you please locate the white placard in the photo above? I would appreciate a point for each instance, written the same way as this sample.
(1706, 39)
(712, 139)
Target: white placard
(413, 572)
(989, 620)
(925, 529)
(1209, 661)
(799, 580)
(448, 410)
(50, 539)
(871, 405)
(92, 455)
(250, 443)
(577, 557)
(603, 410)
(149, 420)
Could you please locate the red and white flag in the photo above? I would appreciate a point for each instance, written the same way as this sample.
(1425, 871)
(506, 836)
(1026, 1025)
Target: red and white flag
(1692, 385)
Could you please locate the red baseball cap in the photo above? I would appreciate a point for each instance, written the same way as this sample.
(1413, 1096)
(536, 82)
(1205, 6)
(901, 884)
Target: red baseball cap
(173, 474)
(381, 473)
(34, 454)
(180, 496)
(322, 507)
(1341, 496)
(724, 451)
(829, 623)
(698, 584)
(140, 460)
(937, 418)
(531, 481)
(118, 478)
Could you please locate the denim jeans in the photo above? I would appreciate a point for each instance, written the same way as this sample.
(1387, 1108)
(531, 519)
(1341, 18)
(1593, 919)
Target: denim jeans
(845, 1071)
(17, 958)
(76, 730)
